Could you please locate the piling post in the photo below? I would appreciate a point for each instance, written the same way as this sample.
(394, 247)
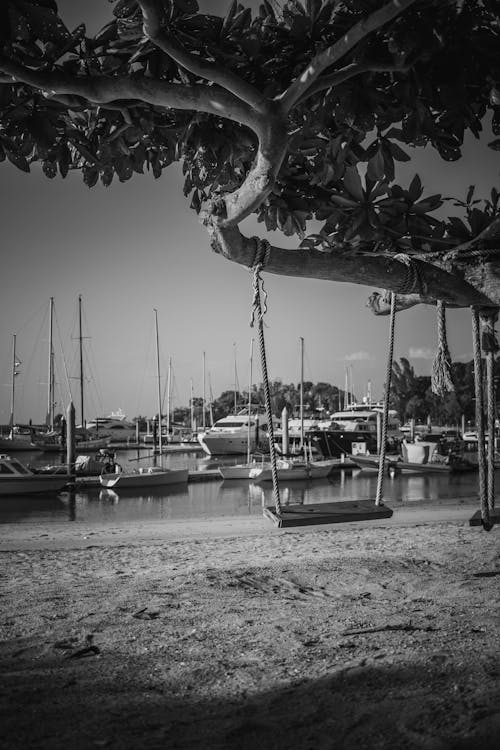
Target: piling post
(70, 438)
(284, 432)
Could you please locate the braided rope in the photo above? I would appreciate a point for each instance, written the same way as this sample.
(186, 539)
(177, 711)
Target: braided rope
(490, 419)
(441, 377)
(258, 310)
(385, 412)
(481, 449)
(413, 281)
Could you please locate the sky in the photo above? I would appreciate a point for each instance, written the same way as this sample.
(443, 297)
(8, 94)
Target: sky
(135, 247)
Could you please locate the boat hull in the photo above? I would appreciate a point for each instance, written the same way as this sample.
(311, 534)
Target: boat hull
(243, 471)
(37, 484)
(296, 471)
(396, 466)
(144, 479)
(8, 445)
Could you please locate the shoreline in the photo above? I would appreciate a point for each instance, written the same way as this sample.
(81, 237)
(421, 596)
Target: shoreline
(76, 534)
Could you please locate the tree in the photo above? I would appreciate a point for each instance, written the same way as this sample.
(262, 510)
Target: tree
(299, 117)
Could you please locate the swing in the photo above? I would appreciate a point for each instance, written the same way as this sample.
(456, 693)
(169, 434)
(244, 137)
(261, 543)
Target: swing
(315, 513)
(486, 516)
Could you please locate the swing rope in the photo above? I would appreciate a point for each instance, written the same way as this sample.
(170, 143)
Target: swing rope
(441, 378)
(263, 249)
(484, 466)
(385, 412)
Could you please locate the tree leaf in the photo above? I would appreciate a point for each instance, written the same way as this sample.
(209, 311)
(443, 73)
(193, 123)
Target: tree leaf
(18, 160)
(352, 183)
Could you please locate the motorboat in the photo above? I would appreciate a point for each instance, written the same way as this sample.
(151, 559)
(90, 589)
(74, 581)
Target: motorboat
(355, 430)
(230, 435)
(416, 458)
(151, 476)
(115, 426)
(292, 469)
(17, 479)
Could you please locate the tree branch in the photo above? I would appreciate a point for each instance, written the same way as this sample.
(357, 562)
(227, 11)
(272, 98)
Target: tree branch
(272, 149)
(104, 90)
(376, 270)
(335, 52)
(228, 80)
(350, 71)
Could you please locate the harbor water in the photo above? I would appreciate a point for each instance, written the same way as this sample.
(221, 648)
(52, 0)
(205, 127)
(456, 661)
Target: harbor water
(215, 499)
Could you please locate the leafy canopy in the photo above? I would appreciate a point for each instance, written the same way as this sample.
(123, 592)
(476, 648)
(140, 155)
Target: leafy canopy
(424, 78)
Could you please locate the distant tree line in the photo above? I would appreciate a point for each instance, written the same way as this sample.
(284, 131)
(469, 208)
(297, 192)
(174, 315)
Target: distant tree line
(411, 397)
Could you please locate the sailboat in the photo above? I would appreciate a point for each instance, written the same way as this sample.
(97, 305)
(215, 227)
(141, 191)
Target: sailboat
(250, 469)
(18, 439)
(148, 476)
(291, 469)
(53, 440)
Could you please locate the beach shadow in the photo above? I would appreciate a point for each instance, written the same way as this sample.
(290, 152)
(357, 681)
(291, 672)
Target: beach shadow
(90, 703)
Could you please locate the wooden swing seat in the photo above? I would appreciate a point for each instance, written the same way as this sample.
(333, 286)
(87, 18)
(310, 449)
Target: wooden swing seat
(344, 511)
(476, 518)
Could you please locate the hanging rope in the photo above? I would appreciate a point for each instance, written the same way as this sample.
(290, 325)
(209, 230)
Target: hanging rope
(441, 377)
(385, 412)
(258, 311)
(481, 448)
(490, 347)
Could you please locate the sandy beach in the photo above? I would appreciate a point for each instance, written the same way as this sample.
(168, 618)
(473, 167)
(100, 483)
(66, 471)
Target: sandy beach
(236, 634)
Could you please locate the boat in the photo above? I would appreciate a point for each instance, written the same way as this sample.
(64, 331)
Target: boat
(18, 479)
(114, 426)
(355, 430)
(416, 458)
(18, 440)
(229, 435)
(289, 470)
(151, 476)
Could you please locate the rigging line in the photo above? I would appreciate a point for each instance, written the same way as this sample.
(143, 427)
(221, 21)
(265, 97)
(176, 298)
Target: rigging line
(33, 315)
(65, 364)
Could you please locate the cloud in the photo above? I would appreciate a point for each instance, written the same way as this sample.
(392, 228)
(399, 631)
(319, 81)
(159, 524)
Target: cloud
(420, 353)
(357, 356)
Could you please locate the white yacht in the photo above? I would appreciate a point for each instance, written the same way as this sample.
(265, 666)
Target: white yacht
(115, 425)
(235, 434)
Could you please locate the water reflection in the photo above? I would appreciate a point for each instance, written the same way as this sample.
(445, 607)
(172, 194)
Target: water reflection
(218, 498)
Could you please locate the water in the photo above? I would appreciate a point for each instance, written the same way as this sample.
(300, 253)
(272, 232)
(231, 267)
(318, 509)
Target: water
(216, 498)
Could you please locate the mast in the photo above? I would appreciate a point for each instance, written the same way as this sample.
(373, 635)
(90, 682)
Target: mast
(301, 393)
(169, 390)
(159, 381)
(50, 394)
(235, 380)
(204, 394)
(192, 405)
(249, 401)
(80, 338)
(15, 365)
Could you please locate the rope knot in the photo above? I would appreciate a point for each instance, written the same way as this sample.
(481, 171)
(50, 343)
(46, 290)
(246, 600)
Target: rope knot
(262, 251)
(413, 281)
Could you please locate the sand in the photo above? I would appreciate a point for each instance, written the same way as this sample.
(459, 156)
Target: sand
(236, 634)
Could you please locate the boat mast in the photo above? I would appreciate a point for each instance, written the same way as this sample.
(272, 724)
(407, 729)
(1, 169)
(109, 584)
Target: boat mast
(302, 446)
(169, 390)
(235, 380)
(50, 395)
(192, 405)
(15, 365)
(159, 381)
(204, 394)
(80, 338)
(249, 401)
